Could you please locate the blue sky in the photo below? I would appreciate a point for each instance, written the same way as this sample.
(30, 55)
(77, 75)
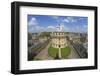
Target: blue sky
(41, 23)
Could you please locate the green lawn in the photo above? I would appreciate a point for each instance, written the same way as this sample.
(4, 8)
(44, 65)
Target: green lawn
(65, 52)
(54, 51)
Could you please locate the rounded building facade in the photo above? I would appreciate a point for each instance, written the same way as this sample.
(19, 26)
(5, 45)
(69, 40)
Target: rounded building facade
(58, 40)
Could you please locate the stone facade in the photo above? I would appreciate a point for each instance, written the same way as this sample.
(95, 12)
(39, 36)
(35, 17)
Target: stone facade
(58, 39)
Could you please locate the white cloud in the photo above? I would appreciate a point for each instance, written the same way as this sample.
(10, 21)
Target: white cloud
(36, 28)
(51, 27)
(32, 22)
(69, 19)
(65, 20)
(56, 28)
(33, 25)
(61, 27)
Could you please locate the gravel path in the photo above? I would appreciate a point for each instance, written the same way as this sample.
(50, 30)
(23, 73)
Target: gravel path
(74, 54)
(43, 55)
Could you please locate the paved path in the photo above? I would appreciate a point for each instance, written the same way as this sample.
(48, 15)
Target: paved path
(74, 54)
(43, 55)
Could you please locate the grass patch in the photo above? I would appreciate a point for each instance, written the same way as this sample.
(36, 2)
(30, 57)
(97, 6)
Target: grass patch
(52, 51)
(65, 52)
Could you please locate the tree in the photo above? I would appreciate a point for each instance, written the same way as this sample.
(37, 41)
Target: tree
(29, 36)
